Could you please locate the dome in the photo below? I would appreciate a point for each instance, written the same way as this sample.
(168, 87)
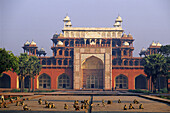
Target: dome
(61, 34)
(124, 35)
(126, 44)
(143, 50)
(119, 19)
(33, 43)
(42, 49)
(66, 19)
(153, 44)
(158, 44)
(68, 24)
(59, 43)
(129, 35)
(92, 43)
(27, 43)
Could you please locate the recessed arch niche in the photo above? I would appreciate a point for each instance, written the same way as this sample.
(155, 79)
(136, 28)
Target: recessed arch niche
(92, 70)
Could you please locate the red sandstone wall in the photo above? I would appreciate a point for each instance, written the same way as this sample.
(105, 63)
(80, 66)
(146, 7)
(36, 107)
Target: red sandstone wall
(13, 77)
(130, 73)
(54, 73)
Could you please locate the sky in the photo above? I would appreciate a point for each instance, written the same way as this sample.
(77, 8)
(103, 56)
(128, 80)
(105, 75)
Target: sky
(38, 20)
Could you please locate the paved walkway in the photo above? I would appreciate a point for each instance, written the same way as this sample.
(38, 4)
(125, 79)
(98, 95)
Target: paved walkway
(59, 98)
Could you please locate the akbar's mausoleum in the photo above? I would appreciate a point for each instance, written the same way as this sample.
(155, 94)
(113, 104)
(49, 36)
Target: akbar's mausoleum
(87, 58)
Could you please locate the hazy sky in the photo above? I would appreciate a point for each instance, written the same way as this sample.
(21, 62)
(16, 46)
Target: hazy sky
(38, 20)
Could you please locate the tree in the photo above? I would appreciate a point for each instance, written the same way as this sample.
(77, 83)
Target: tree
(23, 68)
(7, 61)
(165, 50)
(34, 69)
(154, 66)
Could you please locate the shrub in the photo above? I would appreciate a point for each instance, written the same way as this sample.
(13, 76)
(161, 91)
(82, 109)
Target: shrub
(15, 90)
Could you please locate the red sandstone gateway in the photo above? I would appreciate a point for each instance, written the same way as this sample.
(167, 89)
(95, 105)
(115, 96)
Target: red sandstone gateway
(87, 58)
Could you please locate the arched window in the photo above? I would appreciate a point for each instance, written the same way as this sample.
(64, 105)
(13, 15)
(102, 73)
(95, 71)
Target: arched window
(97, 41)
(121, 82)
(103, 41)
(124, 52)
(60, 52)
(71, 53)
(64, 82)
(43, 62)
(44, 81)
(54, 61)
(66, 43)
(141, 62)
(65, 62)
(125, 62)
(82, 42)
(66, 53)
(140, 82)
(49, 62)
(87, 41)
(108, 42)
(59, 62)
(136, 63)
(5, 81)
(131, 63)
(71, 43)
(77, 42)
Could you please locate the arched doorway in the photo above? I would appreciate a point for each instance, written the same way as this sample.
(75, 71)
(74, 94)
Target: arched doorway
(121, 82)
(44, 81)
(64, 82)
(140, 82)
(5, 81)
(92, 69)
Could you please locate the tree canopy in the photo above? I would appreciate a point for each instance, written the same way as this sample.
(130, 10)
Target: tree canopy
(165, 50)
(8, 61)
(154, 66)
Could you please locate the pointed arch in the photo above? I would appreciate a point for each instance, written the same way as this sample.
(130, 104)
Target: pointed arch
(5, 81)
(66, 53)
(49, 62)
(92, 69)
(43, 62)
(44, 81)
(64, 81)
(92, 62)
(121, 82)
(140, 82)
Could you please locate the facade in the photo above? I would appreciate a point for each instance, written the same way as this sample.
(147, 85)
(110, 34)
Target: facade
(87, 58)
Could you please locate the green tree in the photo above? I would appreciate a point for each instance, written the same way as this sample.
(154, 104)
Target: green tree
(154, 66)
(23, 68)
(165, 50)
(34, 69)
(7, 61)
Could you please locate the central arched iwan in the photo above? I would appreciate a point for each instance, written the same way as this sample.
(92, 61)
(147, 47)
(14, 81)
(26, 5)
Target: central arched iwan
(92, 70)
